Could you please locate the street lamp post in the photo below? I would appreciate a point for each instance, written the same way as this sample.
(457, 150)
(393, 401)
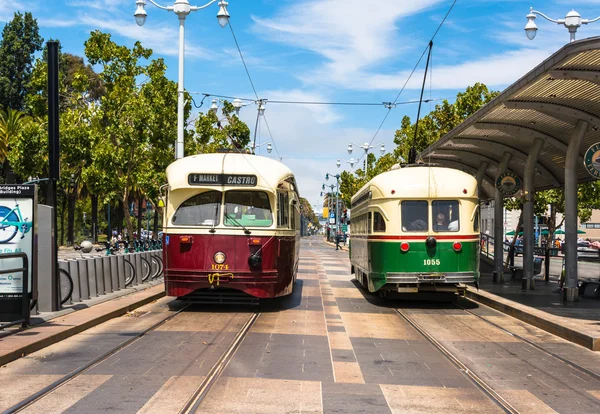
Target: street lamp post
(337, 201)
(366, 147)
(261, 111)
(181, 8)
(572, 22)
(330, 200)
(351, 161)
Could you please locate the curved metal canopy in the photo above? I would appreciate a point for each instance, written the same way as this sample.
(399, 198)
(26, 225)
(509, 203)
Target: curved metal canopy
(544, 104)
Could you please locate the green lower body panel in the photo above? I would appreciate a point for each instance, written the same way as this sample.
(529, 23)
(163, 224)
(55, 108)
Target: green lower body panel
(383, 263)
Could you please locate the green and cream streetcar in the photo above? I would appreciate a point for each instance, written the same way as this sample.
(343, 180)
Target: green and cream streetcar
(416, 228)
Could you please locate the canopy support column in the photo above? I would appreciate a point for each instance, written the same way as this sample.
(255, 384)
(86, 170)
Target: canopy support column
(499, 223)
(571, 291)
(528, 231)
(479, 177)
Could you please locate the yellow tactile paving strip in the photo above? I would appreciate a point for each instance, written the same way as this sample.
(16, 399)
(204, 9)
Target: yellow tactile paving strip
(237, 395)
(343, 371)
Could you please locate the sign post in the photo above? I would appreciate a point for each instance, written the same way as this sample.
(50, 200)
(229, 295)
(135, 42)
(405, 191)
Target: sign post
(18, 228)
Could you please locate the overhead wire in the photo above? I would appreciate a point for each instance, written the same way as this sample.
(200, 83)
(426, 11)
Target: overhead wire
(410, 76)
(237, 45)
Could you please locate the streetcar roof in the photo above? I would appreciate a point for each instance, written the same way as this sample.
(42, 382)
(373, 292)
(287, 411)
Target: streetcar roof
(421, 182)
(269, 173)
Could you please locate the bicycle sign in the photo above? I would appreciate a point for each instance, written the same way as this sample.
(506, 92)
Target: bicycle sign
(17, 204)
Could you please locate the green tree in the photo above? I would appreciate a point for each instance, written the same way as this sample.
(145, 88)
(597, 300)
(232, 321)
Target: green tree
(213, 132)
(134, 128)
(432, 127)
(308, 212)
(20, 40)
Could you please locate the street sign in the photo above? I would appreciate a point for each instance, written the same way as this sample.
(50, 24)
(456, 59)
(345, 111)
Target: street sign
(508, 183)
(591, 160)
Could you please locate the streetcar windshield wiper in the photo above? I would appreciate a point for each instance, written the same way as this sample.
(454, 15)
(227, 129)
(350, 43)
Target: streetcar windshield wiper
(237, 223)
(212, 230)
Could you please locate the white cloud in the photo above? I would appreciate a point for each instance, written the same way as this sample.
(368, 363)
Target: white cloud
(309, 138)
(350, 34)
(9, 7)
(159, 39)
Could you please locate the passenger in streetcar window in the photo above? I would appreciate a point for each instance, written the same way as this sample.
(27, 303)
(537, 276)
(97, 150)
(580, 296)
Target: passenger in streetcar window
(440, 223)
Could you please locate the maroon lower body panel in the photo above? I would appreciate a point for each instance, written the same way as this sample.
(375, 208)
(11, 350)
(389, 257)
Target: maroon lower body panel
(191, 264)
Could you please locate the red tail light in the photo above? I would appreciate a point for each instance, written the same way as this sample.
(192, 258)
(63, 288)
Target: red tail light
(457, 246)
(404, 246)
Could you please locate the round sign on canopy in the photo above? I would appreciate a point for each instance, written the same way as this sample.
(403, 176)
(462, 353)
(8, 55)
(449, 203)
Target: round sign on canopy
(508, 183)
(591, 160)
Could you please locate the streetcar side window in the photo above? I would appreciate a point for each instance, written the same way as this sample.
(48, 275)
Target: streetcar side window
(200, 210)
(369, 222)
(283, 209)
(378, 222)
(415, 216)
(445, 215)
(247, 208)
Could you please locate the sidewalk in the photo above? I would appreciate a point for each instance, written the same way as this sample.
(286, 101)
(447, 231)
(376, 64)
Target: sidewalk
(544, 308)
(52, 327)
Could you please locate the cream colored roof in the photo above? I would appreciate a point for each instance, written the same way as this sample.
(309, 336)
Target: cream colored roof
(545, 103)
(269, 172)
(408, 182)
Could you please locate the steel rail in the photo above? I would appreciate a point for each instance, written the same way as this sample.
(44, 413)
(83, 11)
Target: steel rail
(215, 373)
(77, 372)
(572, 364)
(479, 383)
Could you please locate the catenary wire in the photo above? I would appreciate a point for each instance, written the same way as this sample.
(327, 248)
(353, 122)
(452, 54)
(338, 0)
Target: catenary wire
(237, 45)
(410, 76)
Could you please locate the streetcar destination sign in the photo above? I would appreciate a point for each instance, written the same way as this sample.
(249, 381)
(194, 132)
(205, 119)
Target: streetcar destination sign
(222, 179)
(508, 183)
(591, 160)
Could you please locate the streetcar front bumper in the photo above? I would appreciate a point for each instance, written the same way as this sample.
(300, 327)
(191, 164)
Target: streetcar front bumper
(432, 278)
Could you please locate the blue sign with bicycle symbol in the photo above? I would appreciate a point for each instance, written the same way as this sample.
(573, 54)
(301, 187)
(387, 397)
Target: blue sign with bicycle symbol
(17, 203)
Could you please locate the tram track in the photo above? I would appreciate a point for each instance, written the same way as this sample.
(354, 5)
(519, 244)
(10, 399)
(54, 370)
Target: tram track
(475, 379)
(192, 404)
(215, 372)
(44, 392)
(534, 345)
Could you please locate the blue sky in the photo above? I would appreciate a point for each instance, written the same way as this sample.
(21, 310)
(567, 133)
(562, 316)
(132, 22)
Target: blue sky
(326, 50)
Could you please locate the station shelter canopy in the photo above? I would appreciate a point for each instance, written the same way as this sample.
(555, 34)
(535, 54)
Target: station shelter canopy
(546, 104)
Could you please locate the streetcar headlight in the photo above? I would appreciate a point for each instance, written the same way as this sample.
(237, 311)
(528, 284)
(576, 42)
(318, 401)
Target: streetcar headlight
(219, 258)
(457, 246)
(405, 246)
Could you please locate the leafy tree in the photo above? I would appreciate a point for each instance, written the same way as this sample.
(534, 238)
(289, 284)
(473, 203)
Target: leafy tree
(20, 41)
(308, 212)
(12, 123)
(213, 132)
(432, 127)
(134, 128)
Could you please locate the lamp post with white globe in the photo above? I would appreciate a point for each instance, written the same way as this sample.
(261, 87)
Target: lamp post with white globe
(181, 8)
(366, 147)
(572, 22)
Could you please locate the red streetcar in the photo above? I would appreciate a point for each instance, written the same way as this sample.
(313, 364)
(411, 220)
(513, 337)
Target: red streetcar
(231, 221)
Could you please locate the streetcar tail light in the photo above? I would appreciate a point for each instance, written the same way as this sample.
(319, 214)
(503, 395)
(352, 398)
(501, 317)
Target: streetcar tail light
(457, 246)
(185, 240)
(404, 246)
(254, 242)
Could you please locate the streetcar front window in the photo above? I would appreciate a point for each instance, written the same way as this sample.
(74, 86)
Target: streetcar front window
(248, 209)
(415, 216)
(200, 210)
(445, 215)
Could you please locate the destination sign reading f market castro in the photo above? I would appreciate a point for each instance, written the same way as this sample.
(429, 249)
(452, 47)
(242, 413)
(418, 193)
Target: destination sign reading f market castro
(222, 179)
